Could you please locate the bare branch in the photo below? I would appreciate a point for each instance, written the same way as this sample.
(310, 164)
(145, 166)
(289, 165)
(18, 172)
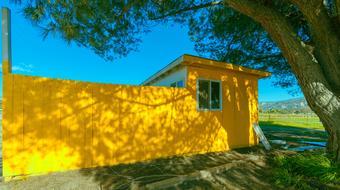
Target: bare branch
(190, 8)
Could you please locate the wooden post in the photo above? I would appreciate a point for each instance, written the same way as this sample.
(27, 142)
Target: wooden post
(6, 41)
(7, 95)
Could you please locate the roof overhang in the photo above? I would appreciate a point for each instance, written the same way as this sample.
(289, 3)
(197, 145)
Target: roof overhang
(164, 71)
(190, 60)
(199, 61)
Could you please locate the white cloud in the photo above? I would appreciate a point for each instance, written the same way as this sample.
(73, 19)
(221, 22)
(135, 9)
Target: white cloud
(22, 67)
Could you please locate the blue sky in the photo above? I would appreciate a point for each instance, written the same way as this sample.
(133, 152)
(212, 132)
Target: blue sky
(52, 57)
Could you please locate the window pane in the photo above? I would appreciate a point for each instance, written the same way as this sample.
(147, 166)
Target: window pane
(173, 84)
(203, 94)
(215, 95)
(180, 84)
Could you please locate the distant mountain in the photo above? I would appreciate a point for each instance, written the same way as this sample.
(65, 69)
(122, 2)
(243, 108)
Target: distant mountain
(291, 105)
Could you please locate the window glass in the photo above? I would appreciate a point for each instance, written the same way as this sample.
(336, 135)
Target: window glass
(180, 84)
(203, 94)
(215, 95)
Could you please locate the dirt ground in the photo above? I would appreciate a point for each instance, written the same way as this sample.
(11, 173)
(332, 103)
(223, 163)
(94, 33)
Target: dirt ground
(246, 168)
(237, 169)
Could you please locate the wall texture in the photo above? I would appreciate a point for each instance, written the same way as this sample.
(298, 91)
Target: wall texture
(55, 125)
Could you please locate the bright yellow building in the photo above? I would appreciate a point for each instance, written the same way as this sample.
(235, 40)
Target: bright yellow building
(193, 105)
(54, 125)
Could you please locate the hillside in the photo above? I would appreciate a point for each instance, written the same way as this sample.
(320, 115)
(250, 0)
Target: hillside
(291, 105)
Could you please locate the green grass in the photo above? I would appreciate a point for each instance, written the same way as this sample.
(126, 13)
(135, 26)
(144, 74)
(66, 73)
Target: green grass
(291, 120)
(293, 134)
(309, 170)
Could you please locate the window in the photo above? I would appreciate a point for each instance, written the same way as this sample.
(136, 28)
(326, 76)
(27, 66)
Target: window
(203, 94)
(215, 95)
(178, 84)
(209, 95)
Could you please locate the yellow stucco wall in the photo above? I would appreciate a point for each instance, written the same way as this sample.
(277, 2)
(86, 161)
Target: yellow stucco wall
(239, 103)
(55, 125)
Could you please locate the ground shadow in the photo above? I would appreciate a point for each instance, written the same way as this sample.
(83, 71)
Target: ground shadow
(293, 134)
(247, 173)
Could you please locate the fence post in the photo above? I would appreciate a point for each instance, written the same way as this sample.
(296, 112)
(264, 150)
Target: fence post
(6, 41)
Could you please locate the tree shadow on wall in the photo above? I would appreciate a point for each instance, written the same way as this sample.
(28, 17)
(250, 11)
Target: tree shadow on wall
(53, 125)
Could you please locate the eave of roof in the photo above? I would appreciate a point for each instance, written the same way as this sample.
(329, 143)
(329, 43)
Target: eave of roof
(165, 69)
(191, 60)
(196, 61)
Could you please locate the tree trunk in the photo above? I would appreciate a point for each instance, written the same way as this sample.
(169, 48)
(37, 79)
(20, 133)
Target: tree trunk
(333, 144)
(315, 67)
(331, 123)
(324, 102)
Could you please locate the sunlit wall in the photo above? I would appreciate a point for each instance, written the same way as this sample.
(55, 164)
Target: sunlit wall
(55, 125)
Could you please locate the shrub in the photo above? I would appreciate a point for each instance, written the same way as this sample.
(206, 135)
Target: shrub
(299, 170)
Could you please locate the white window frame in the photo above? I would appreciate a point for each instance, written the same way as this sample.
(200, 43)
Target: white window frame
(197, 95)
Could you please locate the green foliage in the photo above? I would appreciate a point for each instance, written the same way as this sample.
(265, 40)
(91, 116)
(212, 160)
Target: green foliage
(114, 28)
(107, 27)
(300, 170)
(110, 28)
(227, 35)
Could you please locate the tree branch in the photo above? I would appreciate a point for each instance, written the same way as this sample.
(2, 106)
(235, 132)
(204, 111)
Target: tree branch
(191, 8)
(277, 27)
(259, 58)
(338, 9)
(325, 36)
(301, 60)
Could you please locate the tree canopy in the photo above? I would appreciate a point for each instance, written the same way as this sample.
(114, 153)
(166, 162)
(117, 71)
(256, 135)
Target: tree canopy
(297, 40)
(114, 28)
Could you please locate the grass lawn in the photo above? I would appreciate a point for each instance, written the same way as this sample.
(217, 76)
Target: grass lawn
(293, 135)
(291, 120)
(307, 170)
(293, 128)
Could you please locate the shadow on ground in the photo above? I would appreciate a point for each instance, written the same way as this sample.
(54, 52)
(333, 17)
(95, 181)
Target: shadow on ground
(238, 169)
(293, 134)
